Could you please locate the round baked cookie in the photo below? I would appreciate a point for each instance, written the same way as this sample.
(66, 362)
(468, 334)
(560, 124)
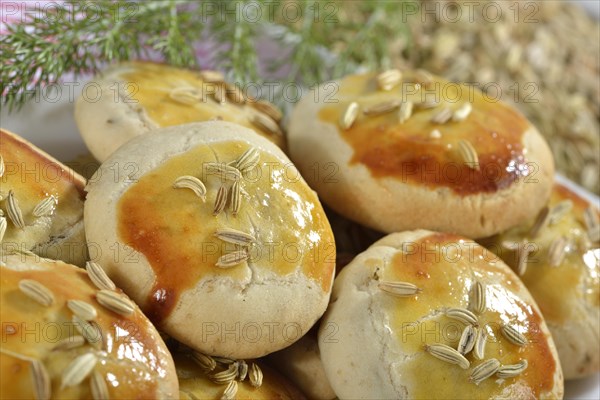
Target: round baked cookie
(61, 336)
(429, 315)
(260, 381)
(301, 363)
(133, 98)
(41, 203)
(424, 153)
(239, 266)
(557, 256)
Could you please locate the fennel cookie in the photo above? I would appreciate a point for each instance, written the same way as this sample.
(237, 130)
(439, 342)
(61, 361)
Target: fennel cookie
(130, 99)
(406, 150)
(41, 203)
(557, 257)
(423, 315)
(204, 377)
(214, 233)
(71, 334)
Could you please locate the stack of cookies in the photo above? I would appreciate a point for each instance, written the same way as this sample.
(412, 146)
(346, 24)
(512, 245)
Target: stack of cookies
(210, 263)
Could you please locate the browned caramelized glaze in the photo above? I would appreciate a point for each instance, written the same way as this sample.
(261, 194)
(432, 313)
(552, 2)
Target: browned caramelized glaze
(33, 175)
(578, 275)
(32, 330)
(174, 229)
(444, 267)
(410, 153)
(149, 85)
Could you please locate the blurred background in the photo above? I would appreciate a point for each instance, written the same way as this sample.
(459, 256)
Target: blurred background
(543, 56)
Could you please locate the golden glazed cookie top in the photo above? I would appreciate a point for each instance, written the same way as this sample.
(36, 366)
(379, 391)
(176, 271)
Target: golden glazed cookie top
(175, 96)
(447, 269)
(264, 219)
(559, 248)
(40, 196)
(61, 341)
(425, 130)
(424, 315)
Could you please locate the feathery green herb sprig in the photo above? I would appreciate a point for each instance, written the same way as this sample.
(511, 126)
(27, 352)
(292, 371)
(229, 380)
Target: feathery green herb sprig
(80, 37)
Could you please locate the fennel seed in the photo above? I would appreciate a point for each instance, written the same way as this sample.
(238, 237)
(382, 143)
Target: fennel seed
(45, 207)
(382, 108)
(3, 225)
(559, 211)
(205, 362)
(224, 377)
(349, 116)
(512, 370)
(462, 112)
(98, 386)
(442, 116)
(265, 123)
(480, 342)
(388, 79)
(232, 259)
(513, 335)
(468, 154)
(192, 183)
(42, 385)
(236, 198)
(435, 134)
(225, 172)
(115, 302)
(477, 301)
(405, 111)
(78, 370)
(401, 289)
(82, 309)
(243, 370)
(484, 370)
(467, 340)
(557, 251)
(447, 354)
(185, 95)
(71, 342)
(220, 200)
(98, 276)
(256, 375)
(14, 211)
(248, 160)
(230, 391)
(463, 315)
(234, 236)
(36, 291)
(211, 76)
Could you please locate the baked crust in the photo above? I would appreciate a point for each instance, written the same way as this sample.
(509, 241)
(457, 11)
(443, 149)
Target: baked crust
(168, 249)
(132, 359)
(572, 313)
(372, 342)
(33, 175)
(130, 99)
(392, 177)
